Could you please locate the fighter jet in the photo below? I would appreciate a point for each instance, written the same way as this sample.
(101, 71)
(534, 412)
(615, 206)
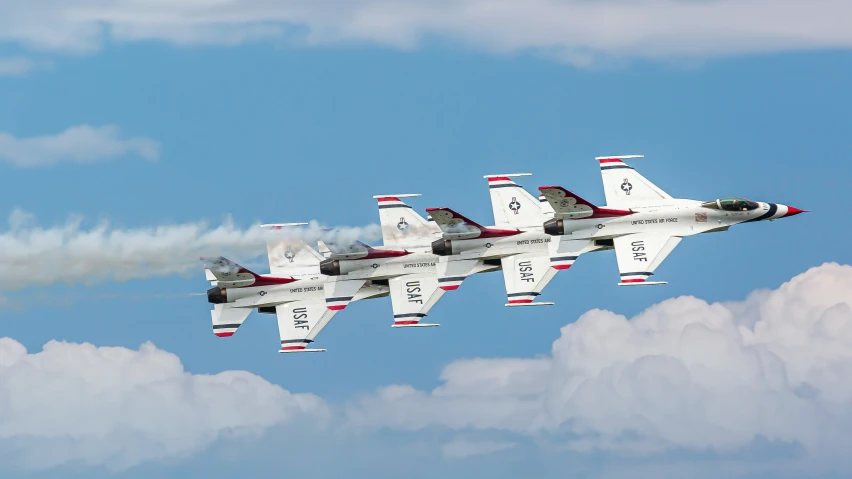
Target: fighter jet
(303, 299)
(642, 222)
(528, 256)
(528, 267)
(417, 278)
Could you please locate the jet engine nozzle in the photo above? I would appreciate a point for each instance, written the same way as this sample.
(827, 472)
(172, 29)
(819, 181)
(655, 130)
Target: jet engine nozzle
(554, 227)
(217, 295)
(442, 247)
(330, 267)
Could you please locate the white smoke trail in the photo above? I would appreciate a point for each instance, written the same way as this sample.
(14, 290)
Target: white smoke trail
(32, 255)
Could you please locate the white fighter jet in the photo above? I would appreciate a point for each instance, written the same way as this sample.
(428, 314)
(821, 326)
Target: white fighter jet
(416, 277)
(642, 222)
(528, 256)
(303, 299)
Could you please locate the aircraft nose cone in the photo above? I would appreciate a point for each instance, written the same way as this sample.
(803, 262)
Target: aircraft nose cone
(792, 211)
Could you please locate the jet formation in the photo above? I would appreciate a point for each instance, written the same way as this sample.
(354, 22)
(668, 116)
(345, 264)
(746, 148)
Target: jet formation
(531, 240)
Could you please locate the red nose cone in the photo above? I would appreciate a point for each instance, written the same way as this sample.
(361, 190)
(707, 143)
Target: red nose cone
(792, 211)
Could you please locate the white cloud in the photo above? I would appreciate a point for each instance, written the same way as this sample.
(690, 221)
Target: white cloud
(463, 448)
(683, 374)
(579, 31)
(77, 144)
(31, 255)
(118, 407)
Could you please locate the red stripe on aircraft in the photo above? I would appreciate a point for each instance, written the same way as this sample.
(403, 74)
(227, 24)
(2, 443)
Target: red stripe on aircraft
(561, 266)
(224, 335)
(451, 287)
(498, 178)
(337, 308)
(270, 280)
(610, 160)
(387, 198)
(519, 301)
(640, 280)
(291, 348)
(405, 323)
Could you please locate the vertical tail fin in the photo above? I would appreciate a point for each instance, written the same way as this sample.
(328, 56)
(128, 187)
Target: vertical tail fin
(401, 225)
(546, 208)
(291, 257)
(513, 206)
(625, 187)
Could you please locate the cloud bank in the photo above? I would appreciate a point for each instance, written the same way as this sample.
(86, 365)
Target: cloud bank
(77, 144)
(32, 255)
(119, 407)
(578, 31)
(682, 375)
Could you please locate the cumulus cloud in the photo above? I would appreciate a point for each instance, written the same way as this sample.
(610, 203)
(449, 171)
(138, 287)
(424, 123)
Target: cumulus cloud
(118, 407)
(683, 374)
(32, 255)
(77, 144)
(573, 30)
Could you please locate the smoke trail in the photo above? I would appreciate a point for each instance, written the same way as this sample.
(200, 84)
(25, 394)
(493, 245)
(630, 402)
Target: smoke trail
(32, 255)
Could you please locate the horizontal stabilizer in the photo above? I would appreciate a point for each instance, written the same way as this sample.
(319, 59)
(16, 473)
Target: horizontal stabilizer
(569, 205)
(455, 226)
(544, 303)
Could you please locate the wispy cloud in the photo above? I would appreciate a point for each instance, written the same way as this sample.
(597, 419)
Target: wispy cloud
(77, 144)
(464, 448)
(16, 66)
(683, 375)
(32, 255)
(119, 407)
(578, 31)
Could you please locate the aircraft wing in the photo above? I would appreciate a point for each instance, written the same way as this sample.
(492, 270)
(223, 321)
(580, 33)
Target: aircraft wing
(639, 254)
(299, 323)
(525, 275)
(412, 296)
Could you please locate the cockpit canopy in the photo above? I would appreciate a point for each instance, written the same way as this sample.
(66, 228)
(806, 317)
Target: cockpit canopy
(732, 204)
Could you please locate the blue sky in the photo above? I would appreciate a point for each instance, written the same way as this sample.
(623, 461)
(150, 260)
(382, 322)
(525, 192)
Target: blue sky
(274, 131)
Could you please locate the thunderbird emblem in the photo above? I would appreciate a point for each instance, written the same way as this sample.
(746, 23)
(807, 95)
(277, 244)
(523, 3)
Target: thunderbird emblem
(514, 205)
(402, 225)
(289, 253)
(626, 186)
